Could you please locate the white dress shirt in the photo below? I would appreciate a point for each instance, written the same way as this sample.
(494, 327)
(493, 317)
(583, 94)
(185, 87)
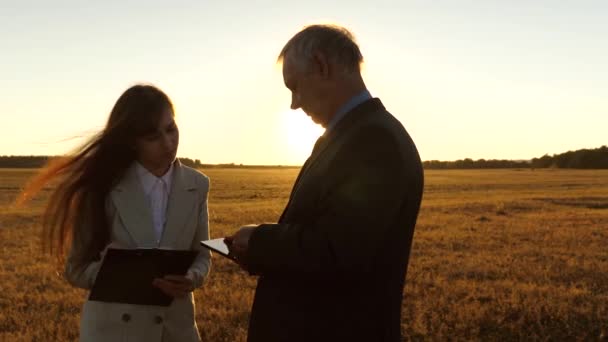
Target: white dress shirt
(157, 191)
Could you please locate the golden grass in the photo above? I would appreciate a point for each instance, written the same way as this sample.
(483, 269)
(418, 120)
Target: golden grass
(497, 255)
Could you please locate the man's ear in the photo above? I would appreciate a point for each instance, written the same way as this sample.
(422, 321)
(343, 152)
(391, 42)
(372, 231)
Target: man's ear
(321, 65)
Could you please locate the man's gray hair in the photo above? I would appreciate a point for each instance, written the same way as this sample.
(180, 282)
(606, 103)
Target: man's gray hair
(335, 42)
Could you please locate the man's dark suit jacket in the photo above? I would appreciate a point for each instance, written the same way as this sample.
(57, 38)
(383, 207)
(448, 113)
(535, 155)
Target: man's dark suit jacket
(333, 268)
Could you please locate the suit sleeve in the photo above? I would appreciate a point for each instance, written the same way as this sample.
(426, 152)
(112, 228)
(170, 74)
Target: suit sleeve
(202, 264)
(366, 188)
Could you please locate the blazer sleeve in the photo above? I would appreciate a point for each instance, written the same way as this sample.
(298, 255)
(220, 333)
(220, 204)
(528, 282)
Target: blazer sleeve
(202, 263)
(80, 275)
(76, 271)
(366, 189)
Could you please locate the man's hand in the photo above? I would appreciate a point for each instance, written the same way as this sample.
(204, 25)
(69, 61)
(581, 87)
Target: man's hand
(174, 285)
(238, 244)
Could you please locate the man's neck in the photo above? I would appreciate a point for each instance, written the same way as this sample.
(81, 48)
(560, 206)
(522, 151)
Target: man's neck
(344, 91)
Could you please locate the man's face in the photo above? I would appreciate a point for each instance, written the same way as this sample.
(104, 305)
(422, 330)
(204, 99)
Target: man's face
(306, 91)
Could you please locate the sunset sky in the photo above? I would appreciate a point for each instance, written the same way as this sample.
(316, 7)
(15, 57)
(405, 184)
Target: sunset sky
(478, 79)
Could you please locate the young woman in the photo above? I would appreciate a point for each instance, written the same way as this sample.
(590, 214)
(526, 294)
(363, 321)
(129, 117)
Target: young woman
(124, 188)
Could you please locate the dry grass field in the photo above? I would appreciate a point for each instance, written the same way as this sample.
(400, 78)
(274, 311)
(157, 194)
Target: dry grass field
(498, 255)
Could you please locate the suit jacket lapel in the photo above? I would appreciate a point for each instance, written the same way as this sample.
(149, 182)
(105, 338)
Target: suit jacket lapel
(320, 141)
(181, 204)
(350, 120)
(134, 210)
(338, 132)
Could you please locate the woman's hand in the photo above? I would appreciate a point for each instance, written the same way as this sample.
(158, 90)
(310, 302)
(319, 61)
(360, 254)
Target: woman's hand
(175, 286)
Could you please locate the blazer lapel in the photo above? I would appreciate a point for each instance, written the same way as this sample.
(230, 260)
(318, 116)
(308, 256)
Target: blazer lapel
(182, 202)
(132, 206)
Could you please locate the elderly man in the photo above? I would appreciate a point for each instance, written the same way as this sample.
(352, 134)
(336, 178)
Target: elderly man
(333, 267)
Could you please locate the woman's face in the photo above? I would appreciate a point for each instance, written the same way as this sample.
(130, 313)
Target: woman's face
(157, 150)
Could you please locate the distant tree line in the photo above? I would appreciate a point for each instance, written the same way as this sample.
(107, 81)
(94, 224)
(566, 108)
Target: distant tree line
(22, 162)
(475, 164)
(579, 159)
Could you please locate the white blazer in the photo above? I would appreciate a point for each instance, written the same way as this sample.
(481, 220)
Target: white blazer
(131, 227)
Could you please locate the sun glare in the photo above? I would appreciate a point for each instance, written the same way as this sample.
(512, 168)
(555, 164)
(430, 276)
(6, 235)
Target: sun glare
(301, 133)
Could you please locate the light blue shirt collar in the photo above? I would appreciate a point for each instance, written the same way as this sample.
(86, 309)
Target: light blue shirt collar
(347, 107)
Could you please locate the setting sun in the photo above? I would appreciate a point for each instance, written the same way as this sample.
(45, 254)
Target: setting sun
(300, 132)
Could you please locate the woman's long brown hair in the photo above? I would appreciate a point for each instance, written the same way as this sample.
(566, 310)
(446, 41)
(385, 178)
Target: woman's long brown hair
(85, 178)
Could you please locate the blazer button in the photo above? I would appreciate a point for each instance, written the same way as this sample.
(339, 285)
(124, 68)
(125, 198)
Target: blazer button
(158, 320)
(126, 317)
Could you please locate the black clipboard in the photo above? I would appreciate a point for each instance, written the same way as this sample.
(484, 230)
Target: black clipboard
(219, 246)
(126, 275)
